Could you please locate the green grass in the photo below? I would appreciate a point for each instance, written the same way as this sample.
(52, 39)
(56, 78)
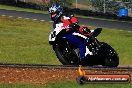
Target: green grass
(67, 84)
(21, 9)
(20, 86)
(25, 41)
(121, 41)
(73, 84)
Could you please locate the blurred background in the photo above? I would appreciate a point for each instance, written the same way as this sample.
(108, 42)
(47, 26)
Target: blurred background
(98, 7)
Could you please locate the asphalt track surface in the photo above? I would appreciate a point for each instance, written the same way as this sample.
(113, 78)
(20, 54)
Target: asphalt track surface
(119, 68)
(85, 21)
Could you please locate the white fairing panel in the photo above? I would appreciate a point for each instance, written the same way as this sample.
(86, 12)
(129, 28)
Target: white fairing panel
(55, 32)
(88, 52)
(92, 30)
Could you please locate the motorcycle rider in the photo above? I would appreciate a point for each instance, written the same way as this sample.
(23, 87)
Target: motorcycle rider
(70, 24)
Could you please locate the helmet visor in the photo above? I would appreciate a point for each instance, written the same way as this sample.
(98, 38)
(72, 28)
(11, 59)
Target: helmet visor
(53, 14)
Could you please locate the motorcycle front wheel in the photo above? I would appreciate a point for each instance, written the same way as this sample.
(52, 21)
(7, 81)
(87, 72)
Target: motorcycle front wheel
(66, 55)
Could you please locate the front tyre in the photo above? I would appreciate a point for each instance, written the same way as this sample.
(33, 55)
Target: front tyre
(65, 55)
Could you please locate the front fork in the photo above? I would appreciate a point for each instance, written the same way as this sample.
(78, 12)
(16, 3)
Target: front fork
(94, 45)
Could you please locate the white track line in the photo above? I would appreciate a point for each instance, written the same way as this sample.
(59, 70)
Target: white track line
(51, 21)
(27, 18)
(120, 30)
(34, 19)
(19, 17)
(129, 31)
(42, 20)
(10, 16)
(3, 15)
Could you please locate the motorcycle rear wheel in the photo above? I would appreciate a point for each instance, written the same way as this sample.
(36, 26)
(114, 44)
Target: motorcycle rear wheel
(110, 57)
